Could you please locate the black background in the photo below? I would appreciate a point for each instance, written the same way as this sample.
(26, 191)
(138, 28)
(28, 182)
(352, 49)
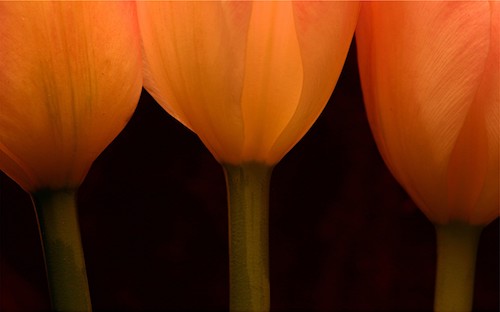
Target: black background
(344, 236)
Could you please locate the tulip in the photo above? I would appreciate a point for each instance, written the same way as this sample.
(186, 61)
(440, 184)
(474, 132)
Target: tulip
(249, 78)
(70, 80)
(70, 75)
(430, 79)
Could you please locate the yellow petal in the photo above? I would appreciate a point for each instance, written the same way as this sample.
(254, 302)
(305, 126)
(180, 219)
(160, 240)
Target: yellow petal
(70, 77)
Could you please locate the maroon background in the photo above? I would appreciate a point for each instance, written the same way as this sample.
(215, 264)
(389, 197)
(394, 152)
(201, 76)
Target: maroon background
(343, 234)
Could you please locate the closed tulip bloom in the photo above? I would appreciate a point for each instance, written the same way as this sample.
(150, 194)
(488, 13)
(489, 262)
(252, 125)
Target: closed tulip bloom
(430, 78)
(248, 77)
(70, 79)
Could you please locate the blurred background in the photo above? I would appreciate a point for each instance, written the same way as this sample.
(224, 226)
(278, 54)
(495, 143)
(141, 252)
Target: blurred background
(344, 236)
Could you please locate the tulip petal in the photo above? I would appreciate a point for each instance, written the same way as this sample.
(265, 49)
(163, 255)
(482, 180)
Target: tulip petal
(420, 93)
(484, 141)
(15, 167)
(273, 76)
(324, 31)
(468, 165)
(234, 71)
(195, 55)
(70, 80)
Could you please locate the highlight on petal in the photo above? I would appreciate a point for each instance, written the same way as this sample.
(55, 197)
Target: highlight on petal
(324, 32)
(273, 77)
(422, 65)
(195, 58)
(70, 75)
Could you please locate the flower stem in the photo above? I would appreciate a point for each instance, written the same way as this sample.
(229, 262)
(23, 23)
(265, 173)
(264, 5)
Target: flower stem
(248, 197)
(456, 258)
(62, 249)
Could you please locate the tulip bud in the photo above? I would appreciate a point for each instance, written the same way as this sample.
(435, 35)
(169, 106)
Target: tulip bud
(248, 77)
(70, 79)
(430, 79)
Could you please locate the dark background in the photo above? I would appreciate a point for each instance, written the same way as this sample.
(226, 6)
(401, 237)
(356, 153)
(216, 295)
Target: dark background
(344, 236)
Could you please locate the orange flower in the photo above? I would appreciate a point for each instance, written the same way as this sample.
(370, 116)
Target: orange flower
(430, 78)
(70, 79)
(248, 77)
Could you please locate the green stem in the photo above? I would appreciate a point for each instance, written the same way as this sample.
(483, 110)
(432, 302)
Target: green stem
(62, 248)
(248, 197)
(456, 259)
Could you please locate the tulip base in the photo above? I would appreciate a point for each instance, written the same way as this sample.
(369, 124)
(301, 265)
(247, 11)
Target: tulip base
(248, 197)
(456, 258)
(65, 265)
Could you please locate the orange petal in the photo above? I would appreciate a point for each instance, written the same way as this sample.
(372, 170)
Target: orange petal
(421, 64)
(234, 72)
(273, 77)
(70, 79)
(486, 106)
(324, 31)
(195, 55)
